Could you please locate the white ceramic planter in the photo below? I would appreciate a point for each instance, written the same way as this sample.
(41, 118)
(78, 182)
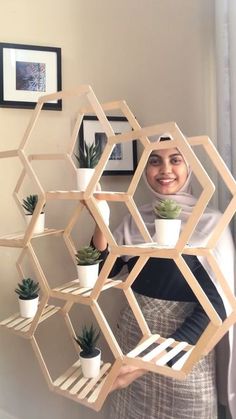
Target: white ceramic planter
(28, 308)
(83, 178)
(91, 366)
(167, 232)
(40, 223)
(88, 275)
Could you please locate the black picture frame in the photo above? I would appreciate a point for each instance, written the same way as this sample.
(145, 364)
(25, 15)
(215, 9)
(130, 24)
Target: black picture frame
(28, 72)
(123, 160)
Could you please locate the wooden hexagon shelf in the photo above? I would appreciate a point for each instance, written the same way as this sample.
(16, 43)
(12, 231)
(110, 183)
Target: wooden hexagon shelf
(71, 384)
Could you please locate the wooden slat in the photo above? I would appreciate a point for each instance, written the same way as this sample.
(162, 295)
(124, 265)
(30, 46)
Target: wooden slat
(158, 350)
(23, 324)
(73, 195)
(106, 330)
(47, 156)
(110, 283)
(111, 196)
(138, 314)
(66, 374)
(153, 251)
(171, 354)
(151, 366)
(68, 287)
(138, 220)
(141, 262)
(29, 321)
(81, 291)
(11, 243)
(16, 322)
(82, 90)
(106, 286)
(48, 314)
(103, 275)
(144, 345)
(93, 382)
(41, 361)
(8, 153)
(96, 392)
(81, 383)
(179, 364)
(9, 319)
(71, 379)
(198, 291)
(20, 235)
(200, 346)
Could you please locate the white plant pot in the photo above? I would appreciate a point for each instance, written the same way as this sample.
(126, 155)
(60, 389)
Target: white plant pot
(91, 366)
(167, 232)
(28, 308)
(88, 275)
(83, 178)
(40, 223)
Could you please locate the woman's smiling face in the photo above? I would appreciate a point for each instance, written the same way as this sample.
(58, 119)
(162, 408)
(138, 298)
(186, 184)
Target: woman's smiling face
(166, 171)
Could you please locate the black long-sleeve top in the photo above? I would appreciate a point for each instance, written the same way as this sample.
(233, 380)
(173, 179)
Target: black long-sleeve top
(161, 278)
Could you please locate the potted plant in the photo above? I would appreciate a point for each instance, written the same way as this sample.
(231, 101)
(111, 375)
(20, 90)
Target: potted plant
(87, 259)
(88, 158)
(29, 205)
(90, 355)
(167, 225)
(28, 297)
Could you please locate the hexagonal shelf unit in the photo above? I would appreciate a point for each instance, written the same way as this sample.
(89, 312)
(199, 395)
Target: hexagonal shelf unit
(93, 392)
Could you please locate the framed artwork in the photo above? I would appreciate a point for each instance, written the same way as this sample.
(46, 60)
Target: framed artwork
(123, 159)
(28, 72)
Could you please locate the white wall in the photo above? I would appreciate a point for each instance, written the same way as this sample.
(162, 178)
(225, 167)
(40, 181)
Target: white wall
(155, 54)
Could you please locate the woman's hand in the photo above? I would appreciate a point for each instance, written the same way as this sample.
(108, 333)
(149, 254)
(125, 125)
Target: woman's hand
(127, 374)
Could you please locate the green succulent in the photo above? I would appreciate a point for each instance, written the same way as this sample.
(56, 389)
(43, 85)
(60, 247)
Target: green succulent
(88, 339)
(28, 289)
(167, 208)
(89, 155)
(29, 204)
(87, 255)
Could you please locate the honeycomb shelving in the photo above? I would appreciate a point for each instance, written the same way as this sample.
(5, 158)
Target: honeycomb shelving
(150, 352)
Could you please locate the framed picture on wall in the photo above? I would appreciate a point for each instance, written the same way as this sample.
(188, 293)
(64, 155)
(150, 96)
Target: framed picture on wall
(28, 72)
(123, 159)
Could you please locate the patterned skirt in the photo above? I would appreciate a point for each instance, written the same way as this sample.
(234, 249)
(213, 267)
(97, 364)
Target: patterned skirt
(154, 396)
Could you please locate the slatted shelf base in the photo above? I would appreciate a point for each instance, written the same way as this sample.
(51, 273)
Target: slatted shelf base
(16, 239)
(73, 289)
(22, 325)
(158, 351)
(74, 385)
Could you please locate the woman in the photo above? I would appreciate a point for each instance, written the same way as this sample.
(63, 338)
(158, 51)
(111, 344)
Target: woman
(168, 304)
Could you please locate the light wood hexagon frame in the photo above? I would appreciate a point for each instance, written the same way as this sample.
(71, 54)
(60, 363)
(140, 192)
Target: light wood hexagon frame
(93, 393)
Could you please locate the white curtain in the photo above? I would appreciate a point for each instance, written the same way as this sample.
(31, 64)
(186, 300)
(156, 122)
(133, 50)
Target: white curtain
(225, 41)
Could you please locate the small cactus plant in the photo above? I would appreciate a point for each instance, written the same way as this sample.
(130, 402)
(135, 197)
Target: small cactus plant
(87, 340)
(89, 155)
(28, 289)
(29, 204)
(87, 255)
(168, 209)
